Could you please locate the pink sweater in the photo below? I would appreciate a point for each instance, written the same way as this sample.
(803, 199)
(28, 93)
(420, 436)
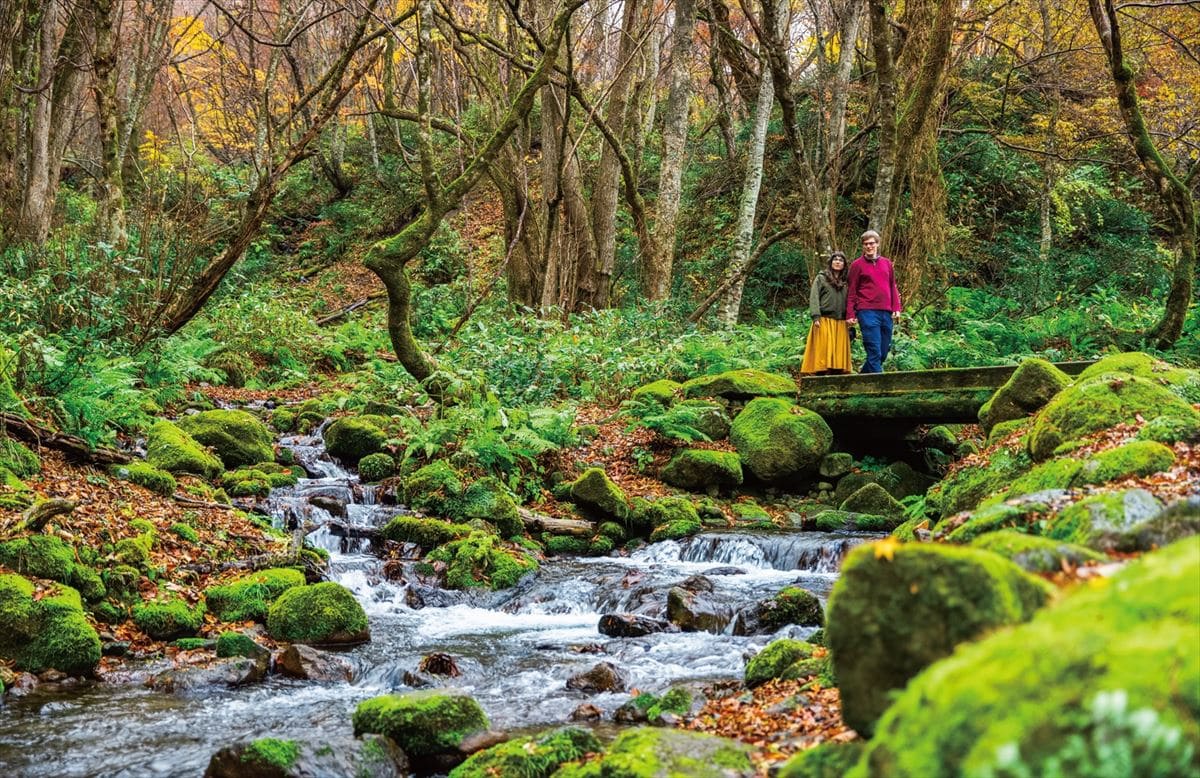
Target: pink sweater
(872, 287)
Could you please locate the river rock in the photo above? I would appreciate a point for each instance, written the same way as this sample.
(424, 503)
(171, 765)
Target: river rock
(675, 752)
(691, 609)
(430, 725)
(586, 712)
(1110, 521)
(632, 625)
(335, 506)
(372, 756)
(604, 677)
(851, 483)
(439, 663)
(307, 663)
(696, 469)
(237, 438)
(324, 614)
(874, 500)
(233, 672)
(1033, 384)
(779, 441)
(835, 465)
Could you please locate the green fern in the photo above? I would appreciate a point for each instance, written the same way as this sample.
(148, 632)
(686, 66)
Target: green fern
(679, 422)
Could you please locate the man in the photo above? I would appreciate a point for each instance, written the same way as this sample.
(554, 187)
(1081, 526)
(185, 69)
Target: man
(873, 302)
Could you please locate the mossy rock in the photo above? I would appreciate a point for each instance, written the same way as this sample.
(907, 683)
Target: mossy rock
(353, 437)
(831, 759)
(89, 583)
(901, 480)
(1112, 672)
(668, 518)
(710, 418)
(487, 499)
(594, 490)
(677, 702)
(171, 449)
(237, 438)
(941, 438)
(785, 659)
(1036, 554)
(423, 723)
(835, 465)
(837, 521)
(168, 619)
(48, 632)
(967, 487)
(613, 530)
(874, 500)
(426, 533)
(322, 613)
(372, 756)
(246, 482)
(482, 560)
(697, 469)
(122, 582)
(656, 752)
(851, 483)
(1136, 458)
(566, 544)
(249, 597)
(1006, 428)
(16, 457)
(375, 467)
(185, 532)
(1099, 403)
(792, 605)
(1110, 521)
(664, 391)
(1033, 384)
(1027, 513)
(283, 420)
(230, 644)
(743, 384)
(779, 441)
(1170, 430)
(1182, 382)
(146, 475)
(134, 552)
(40, 556)
(433, 488)
(896, 609)
(1054, 474)
(15, 494)
(749, 512)
(529, 757)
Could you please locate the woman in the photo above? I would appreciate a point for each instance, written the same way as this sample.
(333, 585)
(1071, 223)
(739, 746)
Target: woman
(828, 347)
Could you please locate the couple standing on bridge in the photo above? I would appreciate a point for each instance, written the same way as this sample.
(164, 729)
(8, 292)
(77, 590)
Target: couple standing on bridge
(866, 295)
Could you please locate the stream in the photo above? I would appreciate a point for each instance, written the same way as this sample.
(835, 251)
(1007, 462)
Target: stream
(515, 648)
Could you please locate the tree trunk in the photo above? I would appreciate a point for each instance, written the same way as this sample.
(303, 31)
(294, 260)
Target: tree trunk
(885, 106)
(111, 217)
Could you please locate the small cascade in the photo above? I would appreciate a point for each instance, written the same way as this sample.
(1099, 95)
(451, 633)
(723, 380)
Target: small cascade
(810, 552)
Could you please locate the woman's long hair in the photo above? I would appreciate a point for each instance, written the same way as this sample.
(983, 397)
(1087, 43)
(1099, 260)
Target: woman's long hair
(836, 278)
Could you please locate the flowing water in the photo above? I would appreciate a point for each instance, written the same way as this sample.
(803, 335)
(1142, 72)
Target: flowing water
(516, 649)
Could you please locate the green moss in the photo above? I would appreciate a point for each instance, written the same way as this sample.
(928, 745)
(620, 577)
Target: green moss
(664, 391)
(272, 753)
(792, 605)
(825, 760)
(134, 552)
(1024, 515)
(594, 490)
(669, 518)
(1098, 403)
(610, 529)
(426, 533)
(566, 544)
(283, 420)
(482, 560)
(250, 596)
(237, 438)
(1136, 458)
(307, 421)
(185, 531)
(50, 632)
(832, 521)
(748, 511)
(422, 723)
(775, 660)
(40, 556)
(1105, 682)
(778, 440)
(16, 457)
(741, 385)
(192, 644)
(1182, 382)
(1033, 384)
(171, 449)
(238, 368)
(143, 527)
(653, 752)
(1033, 553)
(354, 437)
(874, 500)
(433, 488)
(1170, 430)
(1006, 428)
(601, 545)
(376, 467)
(967, 487)
(145, 475)
(168, 619)
(231, 644)
(318, 613)
(487, 499)
(89, 583)
(696, 469)
(1054, 474)
(1110, 521)
(895, 610)
(15, 495)
(529, 757)
(677, 701)
(122, 582)
(709, 417)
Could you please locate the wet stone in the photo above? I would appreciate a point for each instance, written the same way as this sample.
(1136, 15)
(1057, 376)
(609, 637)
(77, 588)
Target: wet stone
(604, 677)
(586, 712)
(630, 625)
(310, 664)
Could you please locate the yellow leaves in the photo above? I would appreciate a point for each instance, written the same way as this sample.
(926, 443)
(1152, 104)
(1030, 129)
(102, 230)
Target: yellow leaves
(886, 548)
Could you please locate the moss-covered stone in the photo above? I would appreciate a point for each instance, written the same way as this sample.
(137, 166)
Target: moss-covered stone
(1035, 554)
(232, 643)
(594, 490)
(529, 757)
(1108, 678)
(1006, 428)
(171, 449)
(283, 420)
(664, 391)
(89, 583)
(185, 532)
(1055, 474)
(49, 631)
(1027, 513)
(321, 613)
(122, 582)
(835, 465)
(353, 437)
(487, 499)
(669, 518)
(433, 488)
(16, 457)
(1170, 430)
(784, 658)
(482, 560)
(743, 384)
(250, 596)
(792, 605)
(898, 608)
(15, 494)
(1110, 521)
(168, 619)
(135, 552)
(655, 752)
(611, 529)
(426, 533)
(709, 417)
(677, 702)
(1033, 384)
(40, 556)
(423, 723)
(831, 759)
(237, 368)
(778, 440)
(1098, 403)
(193, 644)
(237, 438)
(1136, 458)
(246, 482)
(566, 544)
(1182, 382)
(873, 499)
(851, 483)
(965, 488)
(376, 467)
(146, 475)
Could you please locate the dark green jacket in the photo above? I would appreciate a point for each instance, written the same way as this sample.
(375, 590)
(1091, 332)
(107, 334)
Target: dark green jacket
(826, 300)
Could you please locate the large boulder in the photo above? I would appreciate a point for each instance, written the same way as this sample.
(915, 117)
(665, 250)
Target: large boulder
(873, 499)
(1098, 403)
(168, 618)
(171, 449)
(1180, 381)
(1136, 458)
(691, 607)
(1105, 682)
(896, 609)
(656, 752)
(595, 491)
(237, 438)
(529, 757)
(698, 469)
(1109, 521)
(323, 613)
(353, 437)
(966, 487)
(663, 391)
(779, 441)
(426, 723)
(741, 385)
(1036, 554)
(249, 597)
(1022, 513)
(1033, 384)
(45, 631)
(667, 518)
(371, 756)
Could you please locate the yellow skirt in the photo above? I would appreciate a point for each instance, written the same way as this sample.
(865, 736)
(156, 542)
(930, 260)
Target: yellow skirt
(828, 348)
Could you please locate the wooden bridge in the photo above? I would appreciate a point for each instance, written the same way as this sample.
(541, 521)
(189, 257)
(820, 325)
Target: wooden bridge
(943, 396)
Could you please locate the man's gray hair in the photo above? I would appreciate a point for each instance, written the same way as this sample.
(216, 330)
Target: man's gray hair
(870, 234)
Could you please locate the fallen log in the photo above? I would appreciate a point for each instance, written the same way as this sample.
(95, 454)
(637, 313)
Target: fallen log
(37, 515)
(75, 447)
(540, 522)
(350, 308)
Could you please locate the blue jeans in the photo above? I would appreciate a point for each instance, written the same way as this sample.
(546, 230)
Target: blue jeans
(876, 327)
